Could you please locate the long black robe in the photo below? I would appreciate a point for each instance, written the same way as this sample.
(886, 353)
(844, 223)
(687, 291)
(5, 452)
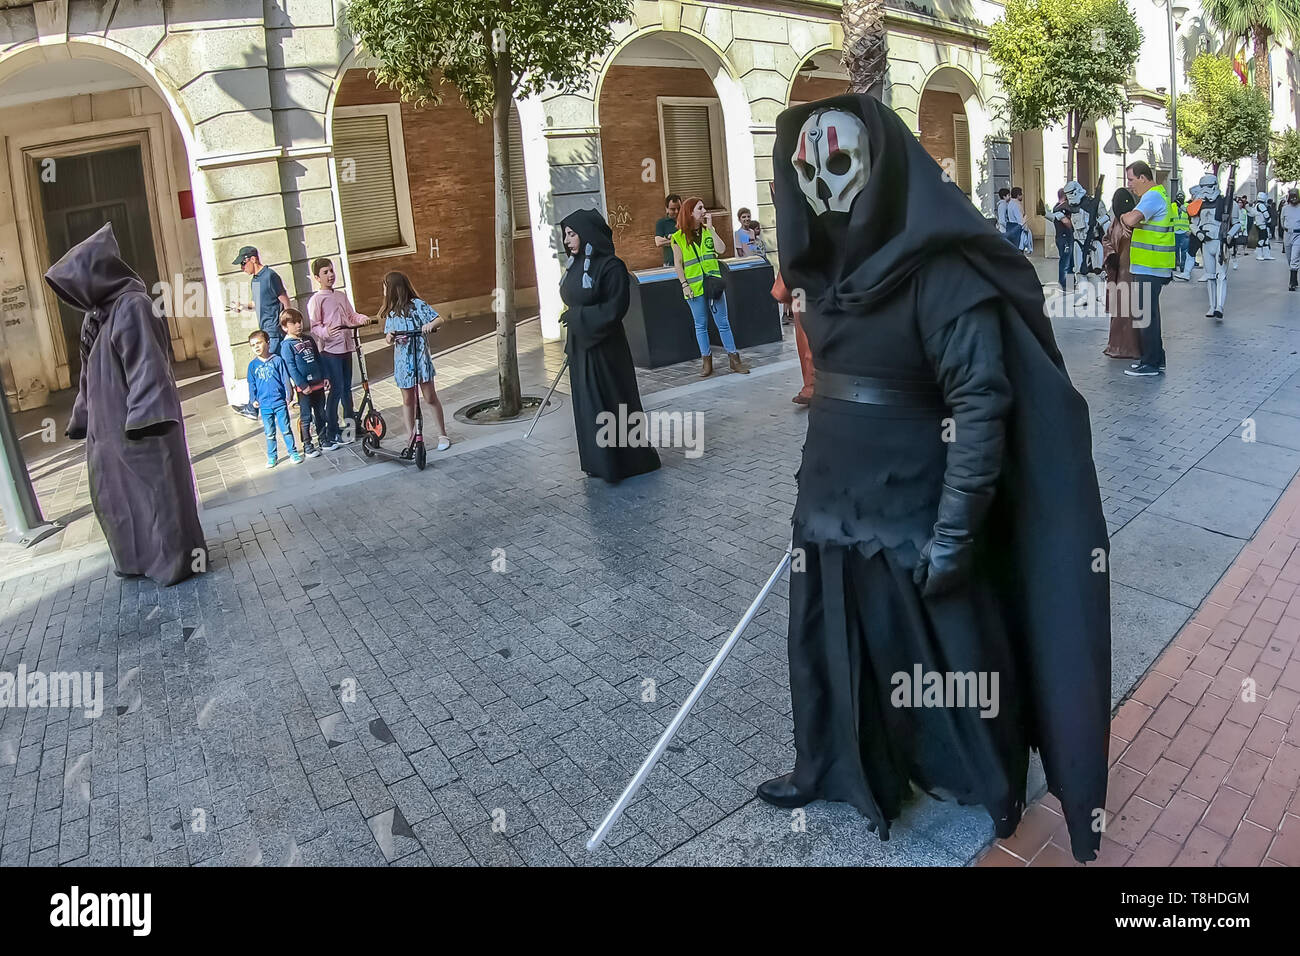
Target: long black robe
(914, 284)
(596, 288)
(128, 411)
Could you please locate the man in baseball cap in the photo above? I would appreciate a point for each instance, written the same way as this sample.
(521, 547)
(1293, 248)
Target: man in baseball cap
(269, 299)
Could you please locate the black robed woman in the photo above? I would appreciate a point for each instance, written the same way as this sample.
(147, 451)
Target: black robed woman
(601, 374)
(950, 608)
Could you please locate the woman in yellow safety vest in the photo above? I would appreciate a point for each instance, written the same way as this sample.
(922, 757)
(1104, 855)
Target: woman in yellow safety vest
(696, 247)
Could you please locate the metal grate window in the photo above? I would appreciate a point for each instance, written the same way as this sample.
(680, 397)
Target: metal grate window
(363, 159)
(688, 145)
(518, 181)
(1000, 164)
(961, 140)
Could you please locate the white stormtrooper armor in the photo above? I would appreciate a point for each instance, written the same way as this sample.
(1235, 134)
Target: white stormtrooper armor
(1206, 226)
(832, 159)
(1078, 198)
(1263, 250)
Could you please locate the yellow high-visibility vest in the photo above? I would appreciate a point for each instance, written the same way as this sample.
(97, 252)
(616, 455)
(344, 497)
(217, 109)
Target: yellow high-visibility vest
(1153, 241)
(698, 259)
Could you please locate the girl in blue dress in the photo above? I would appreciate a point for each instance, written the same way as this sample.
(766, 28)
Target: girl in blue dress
(408, 319)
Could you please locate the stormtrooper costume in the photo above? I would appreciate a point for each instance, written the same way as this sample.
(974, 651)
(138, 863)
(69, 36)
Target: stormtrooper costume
(918, 553)
(1207, 205)
(1089, 227)
(1263, 250)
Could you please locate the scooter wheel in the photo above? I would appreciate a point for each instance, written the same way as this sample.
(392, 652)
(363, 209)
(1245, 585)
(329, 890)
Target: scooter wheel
(368, 445)
(375, 424)
(420, 456)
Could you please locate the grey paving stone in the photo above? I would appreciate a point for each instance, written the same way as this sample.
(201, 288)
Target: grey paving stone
(1258, 461)
(1171, 559)
(1231, 506)
(1141, 625)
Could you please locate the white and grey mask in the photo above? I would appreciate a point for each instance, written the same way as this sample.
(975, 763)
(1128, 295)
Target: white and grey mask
(832, 160)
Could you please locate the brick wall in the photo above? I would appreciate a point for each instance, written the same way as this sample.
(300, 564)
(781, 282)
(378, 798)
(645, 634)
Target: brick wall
(449, 168)
(937, 136)
(629, 133)
(809, 88)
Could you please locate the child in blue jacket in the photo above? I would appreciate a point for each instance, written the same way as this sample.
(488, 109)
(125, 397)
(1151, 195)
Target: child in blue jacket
(269, 389)
(308, 374)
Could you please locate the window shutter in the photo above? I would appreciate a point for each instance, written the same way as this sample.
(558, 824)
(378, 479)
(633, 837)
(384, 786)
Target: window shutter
(961, 137)
(689, 163)
(1000, 167)
(518, 181)
(366, 191)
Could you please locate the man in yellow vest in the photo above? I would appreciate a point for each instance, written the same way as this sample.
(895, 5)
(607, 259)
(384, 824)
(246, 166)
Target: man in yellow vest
(1151, 257)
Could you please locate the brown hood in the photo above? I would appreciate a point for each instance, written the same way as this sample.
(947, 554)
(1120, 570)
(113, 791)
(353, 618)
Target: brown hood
(91, 275)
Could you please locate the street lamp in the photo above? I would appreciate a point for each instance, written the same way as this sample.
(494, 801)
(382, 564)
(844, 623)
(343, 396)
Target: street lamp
(1173, 11)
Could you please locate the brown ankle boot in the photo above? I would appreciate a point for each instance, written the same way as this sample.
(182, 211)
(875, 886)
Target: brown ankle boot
(706, 365)
(735, 364)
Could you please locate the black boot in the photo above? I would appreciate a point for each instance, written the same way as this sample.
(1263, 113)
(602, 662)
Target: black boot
(781, 792)
(1291, 288)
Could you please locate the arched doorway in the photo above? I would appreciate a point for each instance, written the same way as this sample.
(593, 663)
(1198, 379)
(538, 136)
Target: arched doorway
(945, 127)
(669, 117)
(89, 141)
(820, 75)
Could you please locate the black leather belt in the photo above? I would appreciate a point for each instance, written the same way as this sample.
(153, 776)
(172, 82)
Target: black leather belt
(877, 391)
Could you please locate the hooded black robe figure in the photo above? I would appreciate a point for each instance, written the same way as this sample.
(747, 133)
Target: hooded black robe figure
(601, 375)
(952, 610)
(129, 413)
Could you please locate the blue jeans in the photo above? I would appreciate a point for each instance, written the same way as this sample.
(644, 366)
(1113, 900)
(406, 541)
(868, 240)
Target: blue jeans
(1064, 264)
(273, 418)
(700, 310)
(1181, 239)
(338, 369)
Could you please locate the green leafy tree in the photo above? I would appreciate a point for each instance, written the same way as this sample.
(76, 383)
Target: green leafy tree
(1220, 120)
(1286, 156)
(1260, 21)
(492, 52)
(1063, 61)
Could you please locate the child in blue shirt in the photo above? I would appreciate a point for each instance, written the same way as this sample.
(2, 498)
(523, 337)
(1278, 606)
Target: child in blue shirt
(269, 389)
(308, 374)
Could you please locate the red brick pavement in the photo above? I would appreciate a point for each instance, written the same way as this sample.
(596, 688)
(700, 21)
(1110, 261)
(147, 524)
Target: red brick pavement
(1202, 772)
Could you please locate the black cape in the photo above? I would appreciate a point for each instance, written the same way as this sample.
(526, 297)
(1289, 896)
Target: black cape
(129, 413)
(1046, 526)
(602, 379)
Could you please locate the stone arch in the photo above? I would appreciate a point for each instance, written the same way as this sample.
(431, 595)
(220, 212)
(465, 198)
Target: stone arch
(133, 63)
(955, 78)
(727, 86)
(810, 55)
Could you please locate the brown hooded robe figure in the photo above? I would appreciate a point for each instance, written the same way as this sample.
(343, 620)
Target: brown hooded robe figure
(129, 413)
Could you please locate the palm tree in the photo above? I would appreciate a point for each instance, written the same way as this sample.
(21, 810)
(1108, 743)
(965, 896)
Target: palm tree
(864, 45)
(1260, 20)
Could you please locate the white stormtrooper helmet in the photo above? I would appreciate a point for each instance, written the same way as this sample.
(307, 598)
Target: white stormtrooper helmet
(1262, 197)
(1074, 192)
(1209, 185)
(832, 160)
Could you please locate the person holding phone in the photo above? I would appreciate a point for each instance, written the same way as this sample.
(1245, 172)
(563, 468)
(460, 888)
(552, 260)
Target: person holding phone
(696, 247)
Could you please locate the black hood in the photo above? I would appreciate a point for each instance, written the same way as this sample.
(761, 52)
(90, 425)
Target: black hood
(92, 274)
(907, 213)
(592, 229)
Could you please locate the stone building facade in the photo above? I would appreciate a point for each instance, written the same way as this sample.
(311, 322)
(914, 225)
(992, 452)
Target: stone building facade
(227, 119)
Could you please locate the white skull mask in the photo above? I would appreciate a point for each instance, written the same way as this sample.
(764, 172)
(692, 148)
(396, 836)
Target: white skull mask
(831, 160)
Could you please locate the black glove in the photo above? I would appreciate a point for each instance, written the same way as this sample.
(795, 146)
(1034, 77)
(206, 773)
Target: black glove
(947, 558)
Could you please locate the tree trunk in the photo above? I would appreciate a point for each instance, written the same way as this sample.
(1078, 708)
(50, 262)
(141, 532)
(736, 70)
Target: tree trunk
(1264, 83)
(864, 45)
(503, 297)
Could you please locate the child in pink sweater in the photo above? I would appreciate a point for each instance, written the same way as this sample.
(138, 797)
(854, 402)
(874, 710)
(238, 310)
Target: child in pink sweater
(332, 320)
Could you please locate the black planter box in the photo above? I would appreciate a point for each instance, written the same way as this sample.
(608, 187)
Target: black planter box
(659, 326)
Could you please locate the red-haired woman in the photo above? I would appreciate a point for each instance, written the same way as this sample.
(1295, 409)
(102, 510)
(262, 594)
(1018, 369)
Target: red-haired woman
(695, 256)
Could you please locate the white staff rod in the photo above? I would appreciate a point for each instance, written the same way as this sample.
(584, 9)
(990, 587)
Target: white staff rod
(641, 775)
(547, 400)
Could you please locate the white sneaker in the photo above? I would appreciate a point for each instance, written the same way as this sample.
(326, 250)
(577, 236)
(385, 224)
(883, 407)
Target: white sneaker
(443, 443)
